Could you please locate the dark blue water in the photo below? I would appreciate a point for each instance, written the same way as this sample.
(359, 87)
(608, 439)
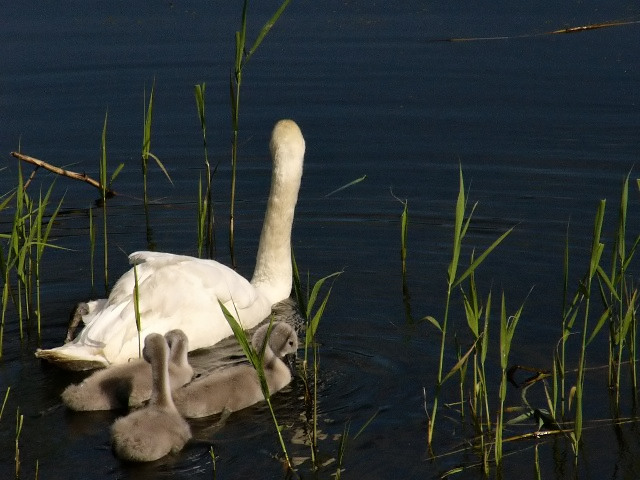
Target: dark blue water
(543, 126)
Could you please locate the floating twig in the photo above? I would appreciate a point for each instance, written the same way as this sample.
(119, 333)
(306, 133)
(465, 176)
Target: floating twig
(61, 171)
(582, 28)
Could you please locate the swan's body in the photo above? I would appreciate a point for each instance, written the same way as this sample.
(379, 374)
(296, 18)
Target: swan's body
(178, 291)
(157, 429)
(238, 387)
(129, 384)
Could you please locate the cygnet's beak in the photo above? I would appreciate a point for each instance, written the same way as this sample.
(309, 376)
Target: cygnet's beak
(290, 360)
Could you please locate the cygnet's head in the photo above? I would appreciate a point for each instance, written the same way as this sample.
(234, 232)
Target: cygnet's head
(283, 339)
(155, 346)
(178, 345)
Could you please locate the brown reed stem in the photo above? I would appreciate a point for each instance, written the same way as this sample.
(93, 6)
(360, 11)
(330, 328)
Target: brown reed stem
(60, 171)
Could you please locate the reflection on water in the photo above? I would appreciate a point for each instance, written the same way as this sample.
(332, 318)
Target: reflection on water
(543, 128)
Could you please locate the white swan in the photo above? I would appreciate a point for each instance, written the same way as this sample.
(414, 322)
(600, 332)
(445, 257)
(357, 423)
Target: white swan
(129, 384)
(177, 291)
(237, 387)
(157, 429)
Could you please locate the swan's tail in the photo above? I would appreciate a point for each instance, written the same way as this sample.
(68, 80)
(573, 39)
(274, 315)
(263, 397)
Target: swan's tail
(74, 357)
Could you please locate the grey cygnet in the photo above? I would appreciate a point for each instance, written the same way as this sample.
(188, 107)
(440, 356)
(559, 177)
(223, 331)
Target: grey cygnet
(154, 431)
(238, 387)
(129, 384)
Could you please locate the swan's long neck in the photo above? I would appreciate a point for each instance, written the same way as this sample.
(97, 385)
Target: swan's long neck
(272, 275)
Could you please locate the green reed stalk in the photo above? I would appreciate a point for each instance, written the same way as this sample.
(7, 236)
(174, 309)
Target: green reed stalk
(19, 422)
(536, 463)
(617, 295)
(213, 461)
(28, 235)
(92, 243)
(507, 329)
(146, 142)
(206, 233)
(617, 278)
(404, 232)
(5, 268)
(621, 337)
(596, 253)
(103, 192)
(453, 280)
(146, 146)
(136, 308)
(633, 355)
(568, 318)
(306, 303)
(20, 242)
(242, 56)
(41, 242)
(144, 156)
(342, 447)
(4, 402)
(202, 219)
(479, 403)
(313, 440)
(256, 360)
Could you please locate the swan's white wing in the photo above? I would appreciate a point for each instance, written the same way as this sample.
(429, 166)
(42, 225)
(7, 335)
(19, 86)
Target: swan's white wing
(174, 291)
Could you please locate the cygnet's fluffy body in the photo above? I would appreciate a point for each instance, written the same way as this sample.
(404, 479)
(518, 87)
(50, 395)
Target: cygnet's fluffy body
(129, 384)
(157, 429)
(238, 387)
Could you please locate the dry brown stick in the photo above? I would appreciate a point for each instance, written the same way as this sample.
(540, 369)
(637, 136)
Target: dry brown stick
(582, 28)
(66, 173)
(30, 179)
(593, 26)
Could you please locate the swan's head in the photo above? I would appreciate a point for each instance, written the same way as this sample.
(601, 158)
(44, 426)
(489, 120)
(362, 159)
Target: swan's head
(178, 345)
(287, 141)
(155, 346)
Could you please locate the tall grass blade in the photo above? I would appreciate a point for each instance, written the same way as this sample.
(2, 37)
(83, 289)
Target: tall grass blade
(92, 244)
(256, 360)
(242, 56)
(459, 231)
(136, 308)
(205, 203)
(476, 263)
(103, 190)
(508, 326)
(594, 261)
(350, 184)
(42, 239)
(404, 232)
(266, 27)
(4, 402)
(19, 423)
(146, 142)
